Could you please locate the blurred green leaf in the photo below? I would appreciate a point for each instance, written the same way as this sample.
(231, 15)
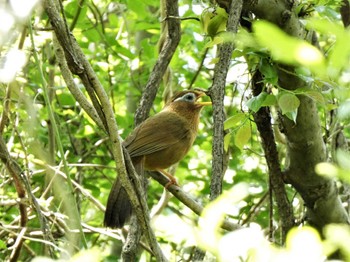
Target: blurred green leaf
(66, 99)
(337, 238)
(207, 232)
(343, 159)
(339, 52)
(213, 20)
(316, 96)
(344, 111)
(2, 245)
(299, 51)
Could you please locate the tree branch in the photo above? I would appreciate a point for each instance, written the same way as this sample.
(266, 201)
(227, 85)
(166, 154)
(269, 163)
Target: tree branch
(73, 88)
(217, 93)
(188, 200)
(263, 122)
(170, 44)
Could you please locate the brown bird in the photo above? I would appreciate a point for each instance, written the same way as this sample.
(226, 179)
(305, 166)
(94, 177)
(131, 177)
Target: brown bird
(157, 143)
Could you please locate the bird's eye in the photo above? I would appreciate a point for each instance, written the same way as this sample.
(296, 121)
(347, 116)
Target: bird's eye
(190, 97)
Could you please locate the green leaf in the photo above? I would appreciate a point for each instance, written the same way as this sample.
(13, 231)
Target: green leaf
(243, 135)
(216, 41)
(92, 35)
(263, 99)
(256, 102)
(292, 115)
(123, 51)
(324, 26)
(237, 53)
(270, 100)
(234, 120)
(214, 21)
(288, 102)
(139, 7)
(313, 94)
(214, 61)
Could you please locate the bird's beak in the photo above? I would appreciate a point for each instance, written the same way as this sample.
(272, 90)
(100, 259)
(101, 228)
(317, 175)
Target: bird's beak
(203, 103)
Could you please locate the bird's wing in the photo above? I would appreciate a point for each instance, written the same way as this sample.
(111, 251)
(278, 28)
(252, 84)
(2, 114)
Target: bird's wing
(156, 133)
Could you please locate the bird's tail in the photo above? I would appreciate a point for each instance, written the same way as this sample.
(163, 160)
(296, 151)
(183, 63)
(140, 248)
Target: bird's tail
(118, 210)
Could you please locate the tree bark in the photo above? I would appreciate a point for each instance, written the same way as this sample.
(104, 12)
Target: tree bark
(305, 144)
(262, 120)
(217, 94)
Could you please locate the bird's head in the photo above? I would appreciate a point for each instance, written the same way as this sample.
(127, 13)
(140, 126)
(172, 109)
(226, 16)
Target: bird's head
(187, 104)
(188, 98)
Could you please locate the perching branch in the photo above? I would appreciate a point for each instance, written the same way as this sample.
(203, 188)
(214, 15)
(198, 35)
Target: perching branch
(187, 200)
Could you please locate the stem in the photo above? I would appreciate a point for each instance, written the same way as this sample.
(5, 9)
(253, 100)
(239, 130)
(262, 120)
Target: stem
(73, 210)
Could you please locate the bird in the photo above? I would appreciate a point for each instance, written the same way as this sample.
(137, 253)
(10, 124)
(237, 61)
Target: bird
(156, 144)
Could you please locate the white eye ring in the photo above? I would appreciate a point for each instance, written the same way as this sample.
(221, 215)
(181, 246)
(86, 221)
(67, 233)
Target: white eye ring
(189, 97)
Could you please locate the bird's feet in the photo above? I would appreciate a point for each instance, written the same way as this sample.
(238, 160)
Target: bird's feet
(172, 179)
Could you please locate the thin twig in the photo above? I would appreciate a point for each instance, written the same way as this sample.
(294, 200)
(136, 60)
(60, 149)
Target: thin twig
(15, 171)
(180, 18)
(42, 219)
(254, 209)
(17, 245)
(4, 118)
(35, 240)
(171, 42)
(73, 88)
(194, 78)
(82, 190)
(77, 14)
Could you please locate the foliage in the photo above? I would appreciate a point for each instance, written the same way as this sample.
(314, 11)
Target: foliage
(120, 39)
